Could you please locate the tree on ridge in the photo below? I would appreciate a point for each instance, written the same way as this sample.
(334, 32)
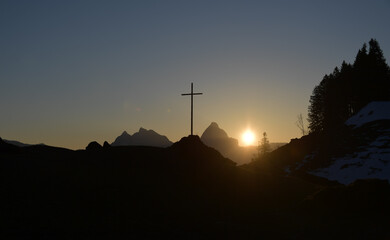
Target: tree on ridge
(349, 88)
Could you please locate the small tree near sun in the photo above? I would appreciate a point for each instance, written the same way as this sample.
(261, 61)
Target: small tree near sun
(264, 147)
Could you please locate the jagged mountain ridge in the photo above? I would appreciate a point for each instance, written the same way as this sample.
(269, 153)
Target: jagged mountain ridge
(143, 137)
(20, 144)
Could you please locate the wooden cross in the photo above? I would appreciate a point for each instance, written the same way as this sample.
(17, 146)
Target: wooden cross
(192, 104)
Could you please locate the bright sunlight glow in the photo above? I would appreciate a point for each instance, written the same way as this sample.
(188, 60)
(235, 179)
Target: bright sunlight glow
(248, 138)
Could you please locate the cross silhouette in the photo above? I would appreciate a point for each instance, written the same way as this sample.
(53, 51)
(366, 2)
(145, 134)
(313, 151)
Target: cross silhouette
(192, 104)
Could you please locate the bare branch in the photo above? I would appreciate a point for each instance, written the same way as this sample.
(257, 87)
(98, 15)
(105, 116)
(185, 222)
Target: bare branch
(300, 124)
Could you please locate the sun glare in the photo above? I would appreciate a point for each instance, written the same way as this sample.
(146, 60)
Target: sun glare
(248, 138)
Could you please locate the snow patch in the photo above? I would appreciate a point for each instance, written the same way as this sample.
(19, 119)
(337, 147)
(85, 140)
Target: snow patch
(372, 162)
(368, 160)
(371, 112)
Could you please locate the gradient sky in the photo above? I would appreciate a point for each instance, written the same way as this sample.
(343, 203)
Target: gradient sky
(72, 72)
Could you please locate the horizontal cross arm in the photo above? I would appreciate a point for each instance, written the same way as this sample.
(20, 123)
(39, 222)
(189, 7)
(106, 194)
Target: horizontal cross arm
(188, 94)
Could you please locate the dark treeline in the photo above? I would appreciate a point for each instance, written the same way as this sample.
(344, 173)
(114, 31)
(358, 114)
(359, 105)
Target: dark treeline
(349, 88)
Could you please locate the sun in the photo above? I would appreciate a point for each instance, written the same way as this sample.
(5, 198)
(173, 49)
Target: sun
(248, 138)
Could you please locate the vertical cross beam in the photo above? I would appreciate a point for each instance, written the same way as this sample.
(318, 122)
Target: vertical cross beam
(192, 105)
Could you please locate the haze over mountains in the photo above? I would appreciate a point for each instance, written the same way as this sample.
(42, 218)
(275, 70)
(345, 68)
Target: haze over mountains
(213, 136)
(217, 138)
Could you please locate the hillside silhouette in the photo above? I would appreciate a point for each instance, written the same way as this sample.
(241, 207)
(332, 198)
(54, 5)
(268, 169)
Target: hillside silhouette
(188, 190)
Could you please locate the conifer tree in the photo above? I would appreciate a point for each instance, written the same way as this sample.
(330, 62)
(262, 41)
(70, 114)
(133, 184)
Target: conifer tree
(264, 146)
(349, 88)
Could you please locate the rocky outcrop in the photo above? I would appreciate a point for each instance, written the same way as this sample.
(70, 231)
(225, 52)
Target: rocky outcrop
(106, 145)
(92, 146)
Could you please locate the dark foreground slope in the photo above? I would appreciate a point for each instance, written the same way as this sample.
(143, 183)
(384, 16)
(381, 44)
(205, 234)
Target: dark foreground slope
(185, 191)
(354, 211)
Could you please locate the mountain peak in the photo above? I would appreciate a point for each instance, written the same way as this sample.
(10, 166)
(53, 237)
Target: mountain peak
(213, 131)
(124, 133)
(141, 129)
(143, 137)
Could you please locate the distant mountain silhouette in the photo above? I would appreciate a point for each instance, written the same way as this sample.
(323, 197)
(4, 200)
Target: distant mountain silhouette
(19, 144)
(217, 138)
(142, 138)
(7, 147)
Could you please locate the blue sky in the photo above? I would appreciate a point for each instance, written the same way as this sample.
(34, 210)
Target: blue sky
(72, 72)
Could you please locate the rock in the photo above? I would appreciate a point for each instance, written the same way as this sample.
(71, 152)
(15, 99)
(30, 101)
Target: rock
(92, 146)
(106, 145)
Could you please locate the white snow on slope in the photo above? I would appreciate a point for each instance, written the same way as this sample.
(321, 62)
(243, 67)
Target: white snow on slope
(372, 112)
(369, 161)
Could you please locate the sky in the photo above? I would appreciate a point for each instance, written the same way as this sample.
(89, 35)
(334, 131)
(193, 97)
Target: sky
(72, 72)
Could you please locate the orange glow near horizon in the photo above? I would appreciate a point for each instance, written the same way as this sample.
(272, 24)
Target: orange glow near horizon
(248, 138)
